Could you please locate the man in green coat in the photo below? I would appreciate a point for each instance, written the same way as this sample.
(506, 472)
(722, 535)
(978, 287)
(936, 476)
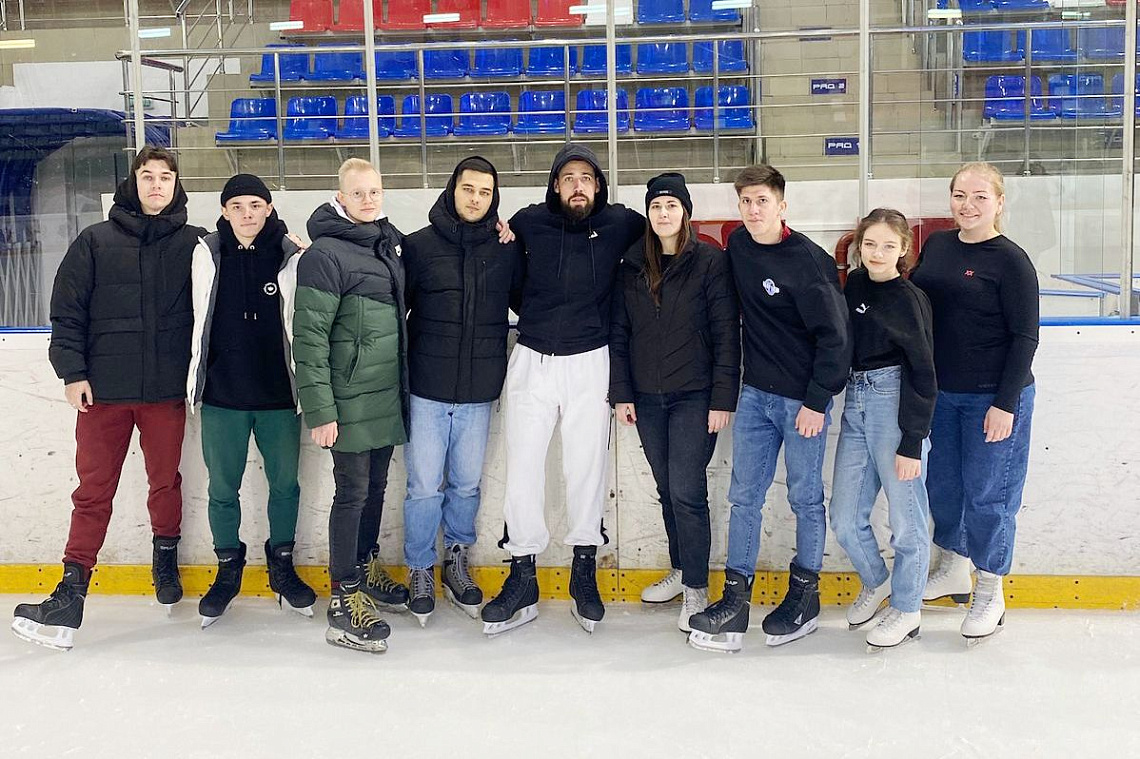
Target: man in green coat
(349, 348)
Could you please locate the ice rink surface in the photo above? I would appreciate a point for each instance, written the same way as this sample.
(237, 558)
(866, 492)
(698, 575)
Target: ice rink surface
(263, 683)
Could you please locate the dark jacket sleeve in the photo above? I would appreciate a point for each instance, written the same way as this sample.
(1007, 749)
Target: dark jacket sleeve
(1020, 303)
(724, 328)
(824, 313)
(634, 227)
(621, 379)
(410, 260)
(70, 299)
(318, 300)
(919, 386)
(518, 274)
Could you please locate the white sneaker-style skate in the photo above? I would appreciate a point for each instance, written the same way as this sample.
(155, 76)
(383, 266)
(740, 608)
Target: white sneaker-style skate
(950, 580)
(987, 611)
(695, 601)
(894, 628)
(867, 604)
(664, 590)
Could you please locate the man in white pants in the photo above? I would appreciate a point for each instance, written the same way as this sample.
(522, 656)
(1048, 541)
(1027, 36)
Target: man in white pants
(560, 370)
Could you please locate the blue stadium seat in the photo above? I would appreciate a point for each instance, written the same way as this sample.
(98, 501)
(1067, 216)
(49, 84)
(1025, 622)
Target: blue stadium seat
(734, 103)
(990, 47)
(730, 56)
(549, 61)
(294, 66)
(251, 119)
(1050, 45)
(1005, 100)
(660, 11)
(355, 124)
(1101, 44)
(395, 64)
(439, 117)
(446, 64)
(661, 109)
(542, 112)
(1081, 96)
(493, 60)
(1118, 92)
(701, 11)
(976, 6)
(484, 113)
(336, 67)
(662, 58)
(310, 118)
(592, 115)
(594, 59)
(1021, 5)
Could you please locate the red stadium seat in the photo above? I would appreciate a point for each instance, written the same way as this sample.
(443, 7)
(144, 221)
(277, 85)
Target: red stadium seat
(317, 15)
(468, 11)
(507, 14)
(351, 17)
(557, 13)
(407, 14)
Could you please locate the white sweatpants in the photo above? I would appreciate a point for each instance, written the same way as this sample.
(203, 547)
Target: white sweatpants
(539, 390)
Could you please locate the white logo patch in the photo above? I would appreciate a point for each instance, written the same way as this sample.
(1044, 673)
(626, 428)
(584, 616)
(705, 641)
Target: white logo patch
(399, 251)
(770, 287)
(862, 309)
(270, 288)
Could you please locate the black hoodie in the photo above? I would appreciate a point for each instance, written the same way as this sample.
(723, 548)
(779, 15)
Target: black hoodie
(459, 282)
(121, 313)
(571, 265)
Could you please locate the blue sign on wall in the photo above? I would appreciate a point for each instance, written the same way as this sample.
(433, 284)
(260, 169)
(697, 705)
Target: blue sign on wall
(829, 86)
(841, 146)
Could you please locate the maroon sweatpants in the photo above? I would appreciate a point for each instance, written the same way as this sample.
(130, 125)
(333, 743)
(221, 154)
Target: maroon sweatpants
(102, 436)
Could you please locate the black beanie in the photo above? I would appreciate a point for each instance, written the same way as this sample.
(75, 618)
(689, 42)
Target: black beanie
(245, 184)
(670, 184)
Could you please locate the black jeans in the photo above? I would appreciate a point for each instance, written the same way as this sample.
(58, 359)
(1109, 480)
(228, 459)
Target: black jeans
(674, 430)
(354, 522)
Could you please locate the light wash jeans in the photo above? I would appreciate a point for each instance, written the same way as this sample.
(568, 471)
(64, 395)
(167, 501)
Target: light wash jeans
(444, 458)
(869, 438)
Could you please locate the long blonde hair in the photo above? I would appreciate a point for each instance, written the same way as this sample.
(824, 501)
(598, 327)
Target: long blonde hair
(991, 173)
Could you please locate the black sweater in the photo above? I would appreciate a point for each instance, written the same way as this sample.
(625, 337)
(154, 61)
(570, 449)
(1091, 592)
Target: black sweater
(986, 313)
(796, 341)
(246, 367)
(690, 342)
(891, 326)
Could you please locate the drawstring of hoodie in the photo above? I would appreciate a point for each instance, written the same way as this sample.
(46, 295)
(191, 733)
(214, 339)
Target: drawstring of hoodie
(246, 257)
(589, 243)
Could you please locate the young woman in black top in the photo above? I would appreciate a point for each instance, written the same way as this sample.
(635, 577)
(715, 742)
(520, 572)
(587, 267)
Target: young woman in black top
(983, 292)
(886, 421)
(675, 373)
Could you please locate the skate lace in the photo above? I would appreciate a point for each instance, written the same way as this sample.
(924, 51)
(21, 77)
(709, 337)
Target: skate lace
(668, 579)
(460, 572)
(890, 620)
(694, 601)
(363, 611)
(59, 598)
(864, 597)
(378, 578)
(288, 581)
(166, 572)
(513, 587)
(585, 574)
(423, 583)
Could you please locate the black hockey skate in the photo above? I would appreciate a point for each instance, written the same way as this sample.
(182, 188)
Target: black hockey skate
(422, 582)
(291, 590)
(354, 622)
(721, 627)
(517, 602)
(458, 587)
(227, 584)
(798, 614)
(588, 609)
(53, 623)
(164, 572)
(385, 592)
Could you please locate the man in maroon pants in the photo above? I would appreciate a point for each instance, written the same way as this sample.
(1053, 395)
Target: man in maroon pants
(121, 319)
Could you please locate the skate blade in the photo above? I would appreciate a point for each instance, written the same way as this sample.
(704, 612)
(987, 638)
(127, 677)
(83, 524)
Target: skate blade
(169, 608)
(471, 610)
(207, 621)
(912, 635)
(973, 641)
(422, 618)
(394, 608)
(587, 624)
(304, 611)
(808, 628)
(878, 613)
(33, 632)
(723, 643)
(949, 601)
(341, 639)
(521, 617)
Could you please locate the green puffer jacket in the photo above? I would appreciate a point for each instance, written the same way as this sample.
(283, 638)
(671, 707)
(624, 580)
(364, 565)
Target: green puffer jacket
(349, 340)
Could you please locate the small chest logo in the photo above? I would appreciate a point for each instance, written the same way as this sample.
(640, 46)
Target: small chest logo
(969, 272)
(861, 309)
(270, 288)
(770, 287)
(399, 251)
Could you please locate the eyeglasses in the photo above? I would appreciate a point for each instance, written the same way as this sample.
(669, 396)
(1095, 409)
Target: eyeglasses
(359, 195)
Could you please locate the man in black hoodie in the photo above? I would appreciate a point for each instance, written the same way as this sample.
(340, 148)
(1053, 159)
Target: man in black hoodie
(121, 319)
(559, 371)
(460, 282)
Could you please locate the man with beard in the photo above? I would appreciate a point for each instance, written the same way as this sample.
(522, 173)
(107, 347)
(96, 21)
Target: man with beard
(559, 371)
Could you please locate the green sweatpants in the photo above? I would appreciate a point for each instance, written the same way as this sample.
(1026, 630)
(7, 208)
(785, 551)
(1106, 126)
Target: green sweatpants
(225, 447)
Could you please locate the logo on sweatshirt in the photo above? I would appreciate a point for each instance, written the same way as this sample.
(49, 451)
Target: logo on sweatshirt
(969, 272)
(770, 287)
(399, 251)
(269, 288)
(861, 309)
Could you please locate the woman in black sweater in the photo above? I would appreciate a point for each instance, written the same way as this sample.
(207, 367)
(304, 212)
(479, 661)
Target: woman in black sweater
(983, 292)
(886, 421)
(675, 373)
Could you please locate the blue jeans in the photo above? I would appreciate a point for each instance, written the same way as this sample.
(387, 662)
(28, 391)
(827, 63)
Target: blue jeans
(764, 422)
(869, 438)
(444, 459)
(975, 486)
(674, 431)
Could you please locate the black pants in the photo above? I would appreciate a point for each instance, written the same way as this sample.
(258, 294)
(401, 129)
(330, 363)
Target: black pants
(674, 430)
(354, 522)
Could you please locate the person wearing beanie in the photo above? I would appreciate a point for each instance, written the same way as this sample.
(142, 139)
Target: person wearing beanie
(460, 282)
(120, 341)
(559, 372)
(241, 373)
(675, 373)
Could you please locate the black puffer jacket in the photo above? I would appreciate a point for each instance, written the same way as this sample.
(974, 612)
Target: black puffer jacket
(571, 265)
(459, 282)
(690, 342)
(121, 314)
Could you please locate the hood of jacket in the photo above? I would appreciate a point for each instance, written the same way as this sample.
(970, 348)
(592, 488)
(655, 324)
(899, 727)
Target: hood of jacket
(267, 242)
(331, 220)
(127, 212)
(574, 152)
(444, 217)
